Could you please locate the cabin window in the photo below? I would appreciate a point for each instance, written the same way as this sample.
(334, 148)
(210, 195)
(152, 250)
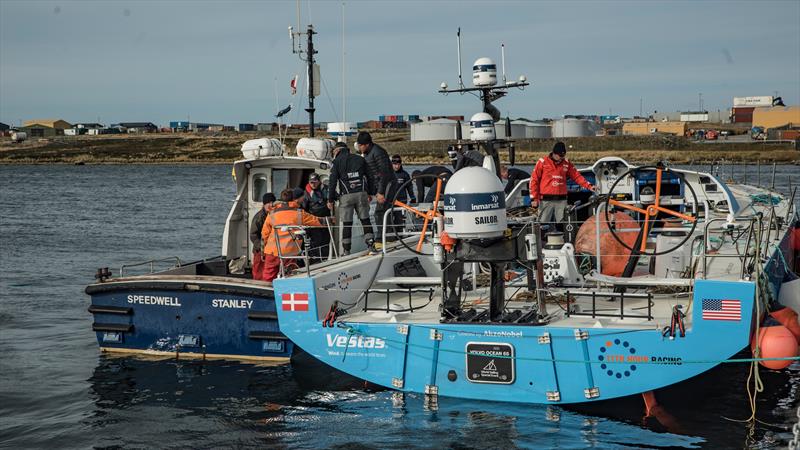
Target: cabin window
(280, 181)
(260, 186)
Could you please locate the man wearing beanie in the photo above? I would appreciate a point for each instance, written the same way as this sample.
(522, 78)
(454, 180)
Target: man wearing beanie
(379, 169)
(548, 185)
(255, 233)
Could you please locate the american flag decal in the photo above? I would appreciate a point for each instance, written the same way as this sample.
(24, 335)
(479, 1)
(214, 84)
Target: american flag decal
(296, 301)
(718, 309)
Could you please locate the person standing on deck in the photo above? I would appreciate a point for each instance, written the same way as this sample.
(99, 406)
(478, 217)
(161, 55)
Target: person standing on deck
(429, 182)
(279, 241)
(379, 169)
(350, 184)
(407, 194)
(315, 201)
(255, 233)
(548, 185)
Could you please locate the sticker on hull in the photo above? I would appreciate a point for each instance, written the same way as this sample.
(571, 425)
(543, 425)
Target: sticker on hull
(490, 362)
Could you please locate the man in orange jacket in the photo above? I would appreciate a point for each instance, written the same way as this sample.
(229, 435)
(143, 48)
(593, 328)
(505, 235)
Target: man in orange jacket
(548, 185)
(283, 214)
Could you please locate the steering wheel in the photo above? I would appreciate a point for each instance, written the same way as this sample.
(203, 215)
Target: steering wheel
(427, 216)
(650, 212)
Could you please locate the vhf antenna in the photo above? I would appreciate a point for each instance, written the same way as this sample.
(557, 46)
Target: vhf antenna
(503, 61)
(309, 59)
(458, 40)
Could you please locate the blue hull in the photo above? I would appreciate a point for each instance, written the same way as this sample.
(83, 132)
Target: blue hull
(188, 318)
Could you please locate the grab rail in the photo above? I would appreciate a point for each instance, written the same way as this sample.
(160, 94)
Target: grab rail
(151, 262)
(743, 257)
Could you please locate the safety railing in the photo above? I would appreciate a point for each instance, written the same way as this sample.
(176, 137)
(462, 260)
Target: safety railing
(151, 263)
(388, 292)
(621, 296)
(743, 256)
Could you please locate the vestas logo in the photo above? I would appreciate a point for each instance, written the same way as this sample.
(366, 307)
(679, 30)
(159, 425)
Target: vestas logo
(355, 342)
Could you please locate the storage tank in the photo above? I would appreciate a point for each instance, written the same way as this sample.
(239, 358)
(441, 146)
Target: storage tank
(571, 127)
(519, 129)
(435, 130)
(539, 130)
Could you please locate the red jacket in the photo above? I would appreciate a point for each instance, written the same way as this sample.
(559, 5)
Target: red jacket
(550, 178)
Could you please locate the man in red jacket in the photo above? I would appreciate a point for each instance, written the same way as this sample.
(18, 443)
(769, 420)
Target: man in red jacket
(548, 185)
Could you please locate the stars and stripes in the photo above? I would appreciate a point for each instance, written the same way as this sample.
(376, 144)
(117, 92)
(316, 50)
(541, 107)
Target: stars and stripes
(295, 301)
(722, 309)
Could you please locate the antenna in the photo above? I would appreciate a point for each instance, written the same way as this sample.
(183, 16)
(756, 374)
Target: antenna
(458, 40)
(344, 93)
(503, 60)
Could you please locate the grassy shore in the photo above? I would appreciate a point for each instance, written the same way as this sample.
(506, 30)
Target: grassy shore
(212, 148)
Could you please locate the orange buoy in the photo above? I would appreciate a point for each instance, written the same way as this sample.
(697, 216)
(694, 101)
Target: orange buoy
(614, 255)
(776, 342)
(788, 318)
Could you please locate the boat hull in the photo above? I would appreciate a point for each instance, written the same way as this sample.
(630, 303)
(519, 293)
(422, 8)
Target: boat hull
(527, 364)
(188, 317)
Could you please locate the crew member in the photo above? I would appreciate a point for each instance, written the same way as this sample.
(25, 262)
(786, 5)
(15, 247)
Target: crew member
(429, 182)
(548, 184)
(406, 195)
(513, 175)
(277, 238)
(379, 169)
(349, 183)
(461, 158)
(315, 201)
(255, 233)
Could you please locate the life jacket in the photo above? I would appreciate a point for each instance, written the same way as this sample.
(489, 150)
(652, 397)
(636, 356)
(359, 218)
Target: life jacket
(284, 214)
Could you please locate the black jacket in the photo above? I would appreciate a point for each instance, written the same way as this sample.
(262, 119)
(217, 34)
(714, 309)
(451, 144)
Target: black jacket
(255, 229)
(379, 169)
(407, 193)
(315, 201)
(348, 174)
(430, 182)
(470, 158)
(515, 176)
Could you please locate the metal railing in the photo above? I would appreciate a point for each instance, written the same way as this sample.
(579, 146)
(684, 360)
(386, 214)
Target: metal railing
(151, 262)
(742, 256)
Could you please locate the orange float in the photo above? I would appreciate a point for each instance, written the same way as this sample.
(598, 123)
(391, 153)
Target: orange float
(614, 255)
(776, 342)
(788, 318)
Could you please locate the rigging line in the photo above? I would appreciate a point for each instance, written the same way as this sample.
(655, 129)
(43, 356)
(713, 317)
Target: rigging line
(330, 100)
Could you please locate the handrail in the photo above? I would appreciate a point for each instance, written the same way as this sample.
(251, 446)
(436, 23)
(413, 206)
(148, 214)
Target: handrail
(303, 251)
(742, 257)
(151, 262)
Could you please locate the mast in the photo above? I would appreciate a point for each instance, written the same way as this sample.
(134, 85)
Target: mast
(310, 59)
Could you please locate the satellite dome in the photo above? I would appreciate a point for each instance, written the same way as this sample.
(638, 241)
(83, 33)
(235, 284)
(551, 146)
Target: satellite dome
(484, 72)
(481, 127)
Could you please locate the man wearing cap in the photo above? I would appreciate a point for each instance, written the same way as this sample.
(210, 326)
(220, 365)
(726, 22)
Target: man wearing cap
(379, 169)
(315, 201)
(255, 233)
(548, 185)
(350, 184)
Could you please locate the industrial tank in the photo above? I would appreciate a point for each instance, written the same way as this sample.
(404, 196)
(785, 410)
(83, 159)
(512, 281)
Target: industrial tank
(572, 127)
(434, 130)
(539, 130)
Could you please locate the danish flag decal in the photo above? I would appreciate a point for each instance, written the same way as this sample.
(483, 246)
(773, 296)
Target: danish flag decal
(296, 301)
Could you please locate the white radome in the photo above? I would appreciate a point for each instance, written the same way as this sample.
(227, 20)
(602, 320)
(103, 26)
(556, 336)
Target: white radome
(474, 205)
(481, 127)
(484, 72)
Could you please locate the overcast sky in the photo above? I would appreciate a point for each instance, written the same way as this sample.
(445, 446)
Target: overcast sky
(216, 61)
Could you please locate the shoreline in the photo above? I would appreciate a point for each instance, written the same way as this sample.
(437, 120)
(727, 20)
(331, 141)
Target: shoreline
(224, 148)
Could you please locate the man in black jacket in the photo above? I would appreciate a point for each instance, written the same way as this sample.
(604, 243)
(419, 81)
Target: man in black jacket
(514, 176)
(429, 182)
(255, 232)
(464, 158)
(350, 183)
(315, 200)
(379, 169)
(406, 195)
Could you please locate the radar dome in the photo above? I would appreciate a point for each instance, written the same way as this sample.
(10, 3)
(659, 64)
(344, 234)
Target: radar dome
(474, 205)
(481, 127)
(484, 72)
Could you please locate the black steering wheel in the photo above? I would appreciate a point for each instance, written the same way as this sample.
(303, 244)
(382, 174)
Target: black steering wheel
(650, 212)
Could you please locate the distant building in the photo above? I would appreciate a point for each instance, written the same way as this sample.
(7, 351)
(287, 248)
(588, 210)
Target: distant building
(4, 127)
(267, 127)
(645, 128)
(247, 127)
(666, 116)
(610, 119)
(694, 116)
(45, 127)
(776, 117)
(136, 127)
